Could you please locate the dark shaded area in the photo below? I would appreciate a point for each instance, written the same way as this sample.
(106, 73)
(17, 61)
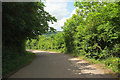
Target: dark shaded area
(61, 79)
(21, 21)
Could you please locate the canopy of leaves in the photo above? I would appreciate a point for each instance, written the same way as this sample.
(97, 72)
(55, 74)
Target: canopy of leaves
(24, 20)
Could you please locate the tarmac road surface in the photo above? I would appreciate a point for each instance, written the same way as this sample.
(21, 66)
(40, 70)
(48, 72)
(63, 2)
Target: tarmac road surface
(58, 65)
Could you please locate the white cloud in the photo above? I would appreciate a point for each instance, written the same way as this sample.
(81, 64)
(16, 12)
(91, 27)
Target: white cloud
(58, 8)
(59, 24)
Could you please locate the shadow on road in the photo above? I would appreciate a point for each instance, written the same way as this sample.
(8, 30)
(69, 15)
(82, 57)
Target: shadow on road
(81, 67)
(56, 65)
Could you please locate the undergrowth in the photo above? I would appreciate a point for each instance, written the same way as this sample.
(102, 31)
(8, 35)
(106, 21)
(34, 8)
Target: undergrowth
(13, 62)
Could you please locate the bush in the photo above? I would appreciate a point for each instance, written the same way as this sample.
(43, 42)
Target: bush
(113, 63)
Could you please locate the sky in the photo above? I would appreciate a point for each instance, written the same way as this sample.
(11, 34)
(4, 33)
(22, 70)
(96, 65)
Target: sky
(61, 9)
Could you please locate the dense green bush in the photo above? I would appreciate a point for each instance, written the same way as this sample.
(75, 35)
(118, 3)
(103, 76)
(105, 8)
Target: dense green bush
(97, 35)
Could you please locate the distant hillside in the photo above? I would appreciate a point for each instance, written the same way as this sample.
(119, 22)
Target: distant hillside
(51, 33)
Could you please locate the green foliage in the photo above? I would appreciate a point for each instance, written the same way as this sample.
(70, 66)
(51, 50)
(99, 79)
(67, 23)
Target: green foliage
(24, 20)
(14, 62)
(98, 35)
(53, 42)
(113, 63)
(94, 31)
(21, 21)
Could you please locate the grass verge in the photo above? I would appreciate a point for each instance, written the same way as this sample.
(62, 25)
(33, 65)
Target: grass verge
(111, 65)
(14, 62)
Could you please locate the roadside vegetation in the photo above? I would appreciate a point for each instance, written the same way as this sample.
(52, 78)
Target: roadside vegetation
(15, 61)
(93, 32)
(21, 21)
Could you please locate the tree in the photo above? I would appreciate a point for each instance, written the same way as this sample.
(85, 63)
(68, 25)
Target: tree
(22, 21)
